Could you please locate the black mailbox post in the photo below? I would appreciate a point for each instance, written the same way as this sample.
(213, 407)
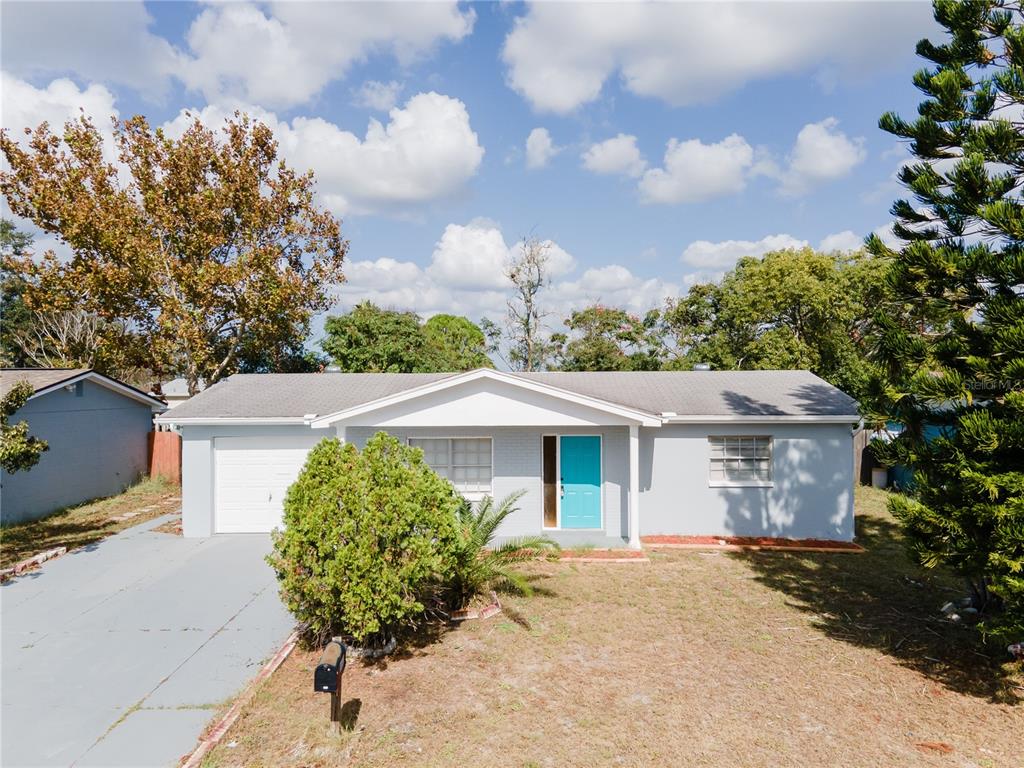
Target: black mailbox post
(327, 676)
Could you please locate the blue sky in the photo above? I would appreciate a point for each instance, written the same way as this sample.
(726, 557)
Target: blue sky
(732, 128)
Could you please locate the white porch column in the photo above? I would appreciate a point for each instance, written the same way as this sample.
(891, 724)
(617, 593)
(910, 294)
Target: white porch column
(634, 486)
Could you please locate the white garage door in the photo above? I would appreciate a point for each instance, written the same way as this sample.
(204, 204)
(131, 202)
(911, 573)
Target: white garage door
(251, 476)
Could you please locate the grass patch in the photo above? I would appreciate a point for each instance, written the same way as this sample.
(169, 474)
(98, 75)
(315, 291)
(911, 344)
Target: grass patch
(697, 658)
(88, 523)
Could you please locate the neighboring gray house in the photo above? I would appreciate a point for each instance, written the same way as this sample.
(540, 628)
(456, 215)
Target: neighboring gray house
(97, 431)
(604, 458)
(175, 391)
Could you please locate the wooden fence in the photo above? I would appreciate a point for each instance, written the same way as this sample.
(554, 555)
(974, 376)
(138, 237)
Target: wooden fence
(165, 456)
(863, 460)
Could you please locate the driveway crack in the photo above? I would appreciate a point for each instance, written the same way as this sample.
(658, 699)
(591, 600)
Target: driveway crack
(141, 702)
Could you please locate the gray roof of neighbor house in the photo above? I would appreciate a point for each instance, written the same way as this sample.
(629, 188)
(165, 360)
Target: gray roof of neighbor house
(177, 387)
(41, 379)
(686, 393)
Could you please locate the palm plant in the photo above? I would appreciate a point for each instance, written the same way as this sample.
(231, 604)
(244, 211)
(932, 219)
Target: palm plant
(480, 566)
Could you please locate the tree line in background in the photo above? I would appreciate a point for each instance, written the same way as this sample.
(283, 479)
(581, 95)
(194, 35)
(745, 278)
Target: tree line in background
(787, 309)
(205, 254)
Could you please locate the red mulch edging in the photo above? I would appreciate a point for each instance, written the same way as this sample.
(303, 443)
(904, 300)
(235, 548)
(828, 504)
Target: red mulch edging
(750, 543)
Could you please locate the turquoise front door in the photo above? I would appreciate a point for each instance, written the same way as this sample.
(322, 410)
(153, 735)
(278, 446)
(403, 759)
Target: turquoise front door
(580, 457)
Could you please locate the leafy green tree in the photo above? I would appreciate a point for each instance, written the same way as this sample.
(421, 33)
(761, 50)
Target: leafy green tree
(201, 246)
(950, 343)
(790, 309)
(373, 340)
(370, 339)
(18, 450)
(609, 339)
(479, 564)
(289, 356)
(15, 317)
(369, 537)
(456, 343)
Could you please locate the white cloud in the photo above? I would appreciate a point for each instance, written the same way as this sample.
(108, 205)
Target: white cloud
(821, 153)
(277, 54)
(378, 96)
(382, 273)
(470, 256)
(540, 148)
(721, 255)
(560, 55)
(426, 151)
(104, 41)
(25, 106)
(465, 276)
(286, 54)
(613, 286)
(618, 155)
(475, 256)
(695, 171)
(405, 286)
(847, 240)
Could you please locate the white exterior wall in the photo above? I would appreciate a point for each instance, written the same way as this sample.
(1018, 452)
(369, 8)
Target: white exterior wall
(517, 466)
(811, 495)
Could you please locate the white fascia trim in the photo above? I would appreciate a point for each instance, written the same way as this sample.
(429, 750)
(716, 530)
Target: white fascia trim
(641, 417)
(197, 421)
(109, 383)
(801, 419)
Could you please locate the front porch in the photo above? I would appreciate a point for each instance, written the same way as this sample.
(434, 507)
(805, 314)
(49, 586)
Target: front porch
(593, 503)
(580, 540)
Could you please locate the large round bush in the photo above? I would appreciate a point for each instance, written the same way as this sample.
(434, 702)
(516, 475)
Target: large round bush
(369, 536)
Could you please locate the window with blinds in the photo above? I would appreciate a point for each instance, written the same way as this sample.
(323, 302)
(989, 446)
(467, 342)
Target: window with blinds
(466, 461)
(740, 460)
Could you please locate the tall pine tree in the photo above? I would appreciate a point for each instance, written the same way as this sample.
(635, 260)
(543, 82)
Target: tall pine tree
(950, 347)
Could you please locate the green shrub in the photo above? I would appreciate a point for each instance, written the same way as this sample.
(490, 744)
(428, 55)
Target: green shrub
(478, 566)
(369, 537)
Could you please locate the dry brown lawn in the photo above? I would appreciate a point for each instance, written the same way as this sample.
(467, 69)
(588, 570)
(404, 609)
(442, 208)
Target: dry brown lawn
(88, 523)
(695, 658)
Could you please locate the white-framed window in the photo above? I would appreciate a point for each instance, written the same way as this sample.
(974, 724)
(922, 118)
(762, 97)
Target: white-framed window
(466, 461)
(740, 460)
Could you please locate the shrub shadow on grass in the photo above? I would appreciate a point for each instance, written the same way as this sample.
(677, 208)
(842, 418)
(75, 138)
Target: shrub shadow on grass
(414, 641)
(881, 600)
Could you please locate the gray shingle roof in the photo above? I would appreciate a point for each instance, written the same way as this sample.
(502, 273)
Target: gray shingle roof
(687, 393)
(38, 378)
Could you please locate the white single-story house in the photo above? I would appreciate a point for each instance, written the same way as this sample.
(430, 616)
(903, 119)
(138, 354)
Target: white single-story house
(604, 458)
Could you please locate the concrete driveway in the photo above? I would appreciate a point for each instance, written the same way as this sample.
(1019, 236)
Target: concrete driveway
(120, 653)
